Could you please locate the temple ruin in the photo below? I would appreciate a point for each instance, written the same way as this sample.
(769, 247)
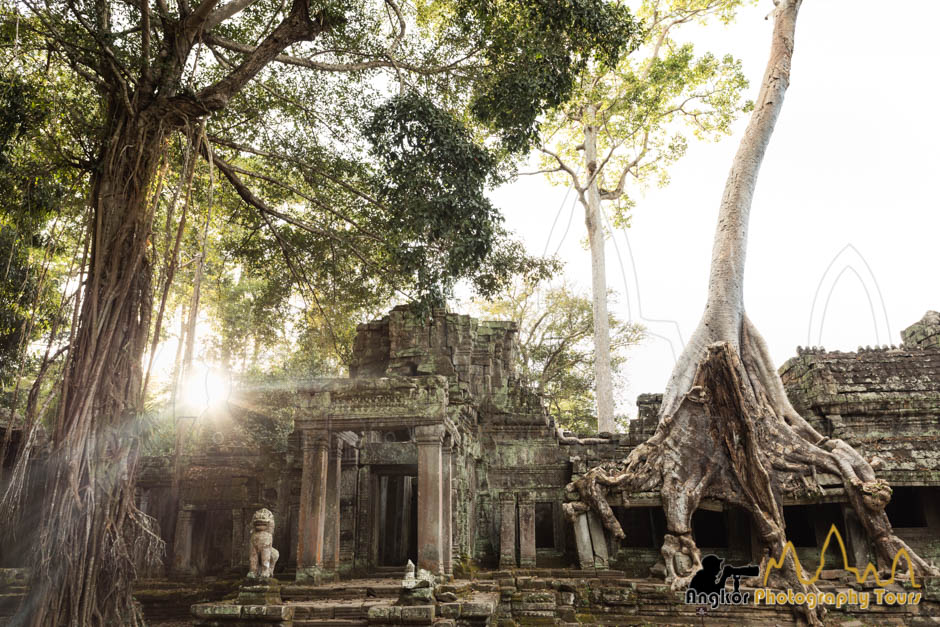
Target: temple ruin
(432, 451)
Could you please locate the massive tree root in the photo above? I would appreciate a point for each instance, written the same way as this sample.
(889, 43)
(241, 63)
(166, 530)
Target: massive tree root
(734, 437)
(727, 430)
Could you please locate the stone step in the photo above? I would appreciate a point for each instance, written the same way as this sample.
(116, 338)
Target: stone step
(350, 610)
(328, 622)
(301, 592)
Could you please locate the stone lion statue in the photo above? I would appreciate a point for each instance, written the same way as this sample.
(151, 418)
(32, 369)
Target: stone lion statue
(263, 554)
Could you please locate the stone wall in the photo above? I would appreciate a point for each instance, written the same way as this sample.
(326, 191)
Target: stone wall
(511, 464)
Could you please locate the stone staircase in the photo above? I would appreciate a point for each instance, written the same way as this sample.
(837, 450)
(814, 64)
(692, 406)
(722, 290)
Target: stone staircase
(562, 597)
(341, 604)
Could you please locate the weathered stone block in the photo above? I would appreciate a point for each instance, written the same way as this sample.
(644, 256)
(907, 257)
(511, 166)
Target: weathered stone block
(449, 610)
(384, 614)
(476, 609)
(417, 615)
(216, 610)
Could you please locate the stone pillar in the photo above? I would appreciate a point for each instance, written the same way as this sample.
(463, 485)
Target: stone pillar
(407, 485)
(526, 530)
(582, 536)
(430, 554)
(364, 517)
(598, 541)
(447, 509)
(238, 539)
(183, 542)
(331, 526)
(293, 536)
(856, 537)
(507, 530)
(312, 507)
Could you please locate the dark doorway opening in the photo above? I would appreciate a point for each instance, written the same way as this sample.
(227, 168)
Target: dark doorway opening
(906, 507)
(710, 529)
(544, 526)
(644, 527)
(799, 525)
(397, 520)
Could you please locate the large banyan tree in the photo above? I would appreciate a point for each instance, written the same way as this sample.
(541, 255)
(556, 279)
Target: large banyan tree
(726, 429)
(280, 99)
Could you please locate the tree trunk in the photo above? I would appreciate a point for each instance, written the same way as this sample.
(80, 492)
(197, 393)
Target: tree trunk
(90, 525)
(603, 383)
(727, 430)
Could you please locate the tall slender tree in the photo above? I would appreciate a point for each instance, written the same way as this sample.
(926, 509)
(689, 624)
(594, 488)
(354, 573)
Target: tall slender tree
(626, 124)
(727, 430)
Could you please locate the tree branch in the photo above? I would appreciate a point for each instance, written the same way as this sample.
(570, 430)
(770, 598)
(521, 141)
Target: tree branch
(563, 166)
(618, 191)
(224, 12)
(303, 165)
(375, 63)
(251, 199)
(294, 190)
(298, 26)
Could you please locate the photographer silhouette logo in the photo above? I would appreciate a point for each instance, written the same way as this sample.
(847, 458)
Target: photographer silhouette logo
(708, 584)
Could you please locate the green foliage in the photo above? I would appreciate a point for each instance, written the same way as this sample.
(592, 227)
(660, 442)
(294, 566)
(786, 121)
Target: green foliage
(33, 190)
(431, 179)
(348, 199)
(556, 350)
(534, 51)
(647, 105)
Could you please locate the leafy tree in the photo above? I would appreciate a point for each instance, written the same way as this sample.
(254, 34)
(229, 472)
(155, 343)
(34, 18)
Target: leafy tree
(556, 351)
(727, 430)
(37, 194)
(276, 98)
(628, 122)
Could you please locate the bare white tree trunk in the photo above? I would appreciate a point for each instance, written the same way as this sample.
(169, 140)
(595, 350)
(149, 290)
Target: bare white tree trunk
(727, 430)
(724, 310)
(603, 380)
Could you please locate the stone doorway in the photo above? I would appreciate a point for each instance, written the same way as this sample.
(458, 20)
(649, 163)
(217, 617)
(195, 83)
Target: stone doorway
(397, 519)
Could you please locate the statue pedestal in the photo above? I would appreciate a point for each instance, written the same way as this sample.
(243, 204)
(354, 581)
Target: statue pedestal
(259, 591)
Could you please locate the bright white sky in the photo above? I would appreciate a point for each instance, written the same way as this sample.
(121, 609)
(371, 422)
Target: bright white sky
(853, 163)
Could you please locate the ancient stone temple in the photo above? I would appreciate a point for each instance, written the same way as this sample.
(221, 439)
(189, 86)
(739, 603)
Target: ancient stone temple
(432, 451)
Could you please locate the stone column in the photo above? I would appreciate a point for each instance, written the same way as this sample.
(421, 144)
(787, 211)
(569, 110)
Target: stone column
(447, 508)
(183, 542)
(857, 538)
(407, 485)
(598, 541)
(312, 507)
(238, 539)
(507, 530)
(582, 537)
(526, 530)
(293, 535)
(430, 554)
(364, 507)
(331, 526)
